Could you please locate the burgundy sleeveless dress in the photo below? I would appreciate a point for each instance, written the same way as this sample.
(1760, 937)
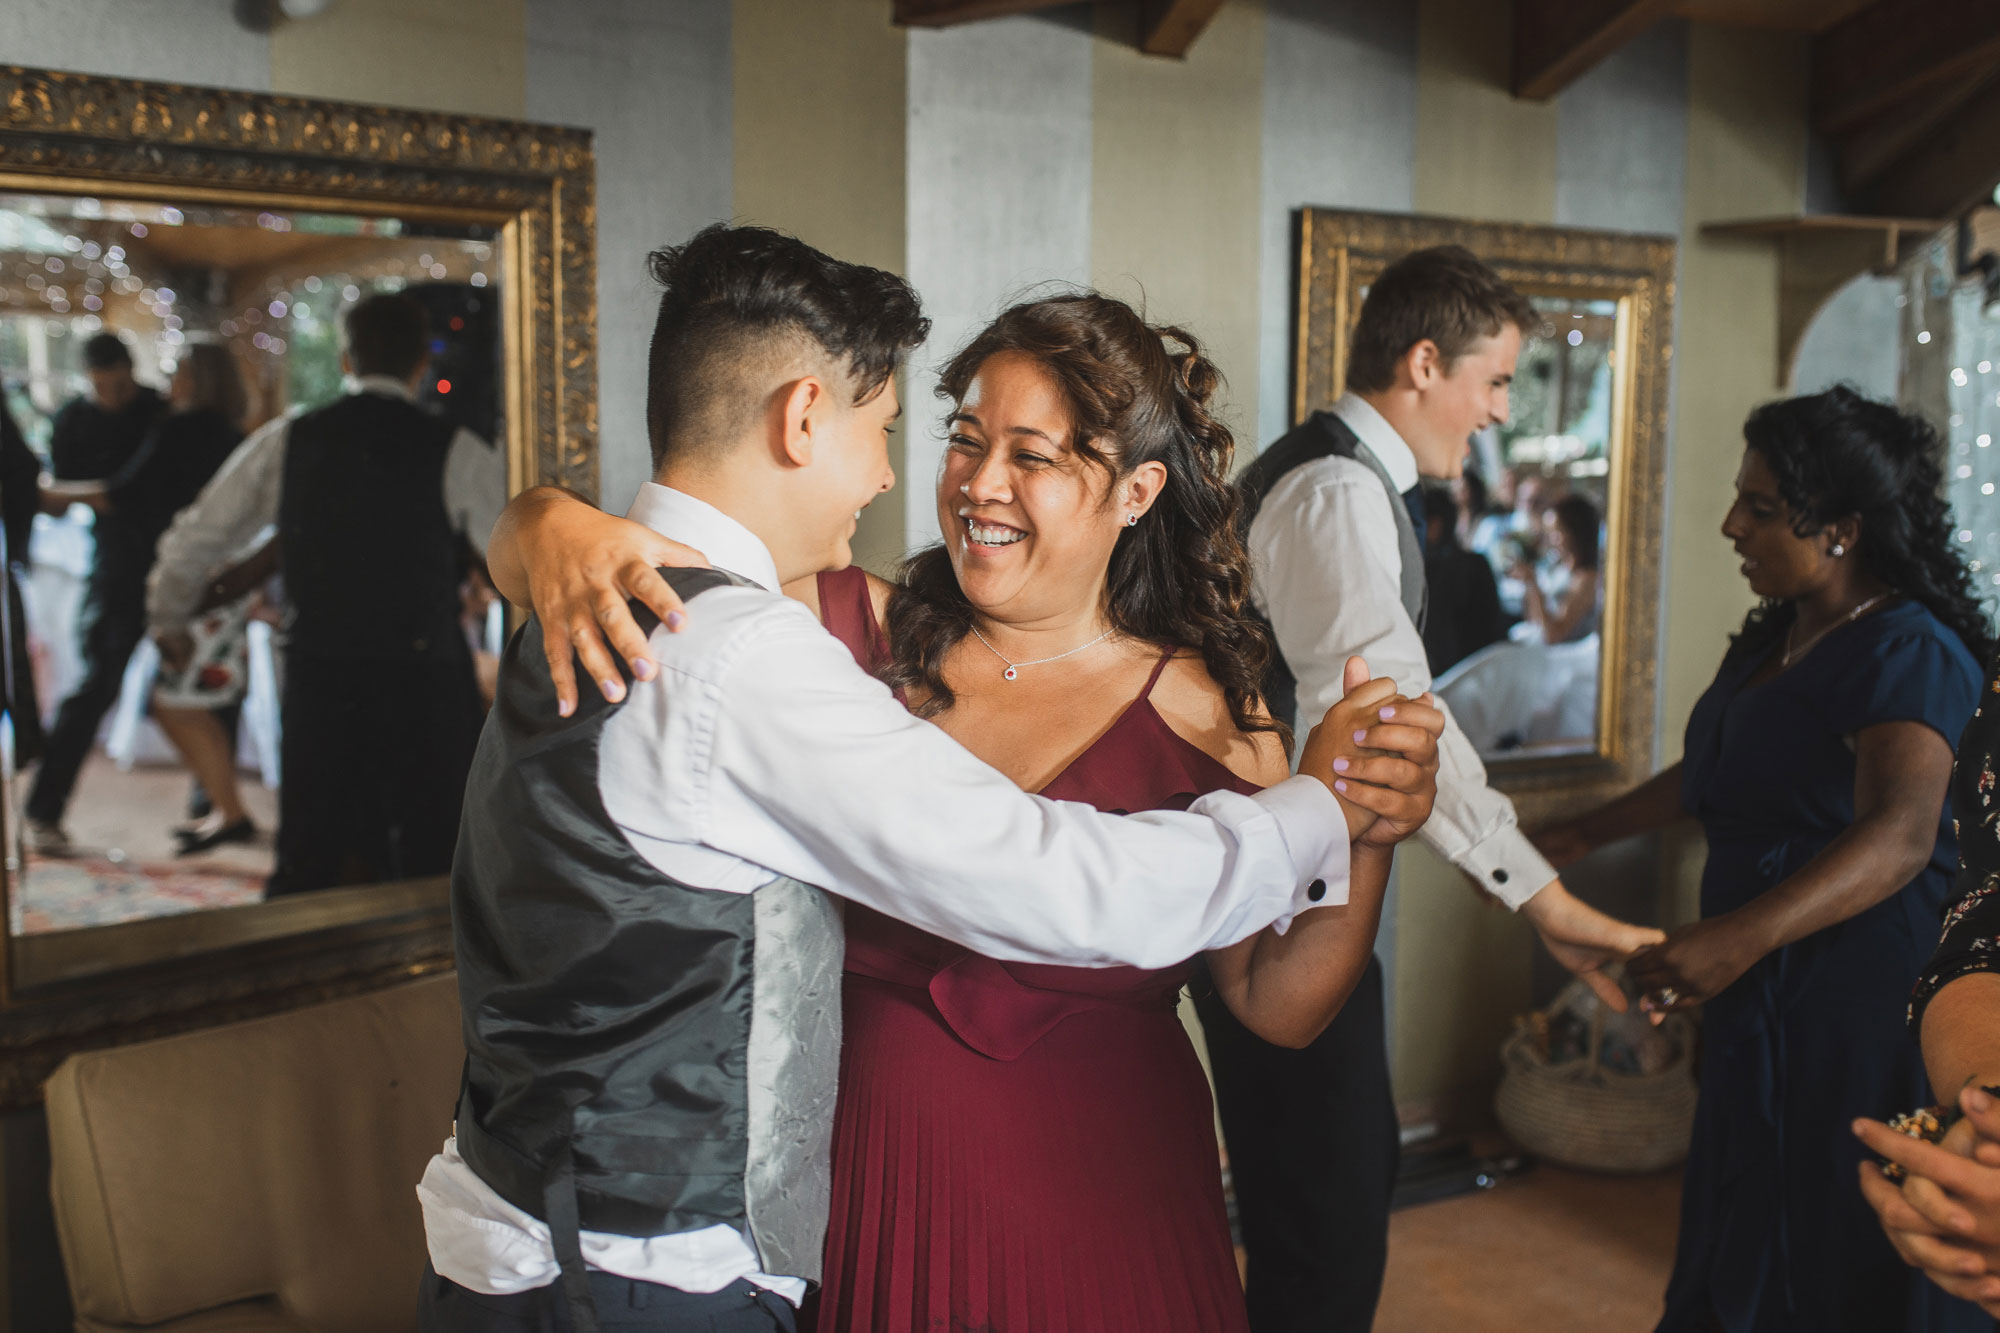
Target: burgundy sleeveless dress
(1025, 1148)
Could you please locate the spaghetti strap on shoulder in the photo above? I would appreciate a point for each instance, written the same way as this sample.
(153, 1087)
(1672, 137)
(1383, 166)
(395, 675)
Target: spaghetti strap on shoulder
(1159, 669)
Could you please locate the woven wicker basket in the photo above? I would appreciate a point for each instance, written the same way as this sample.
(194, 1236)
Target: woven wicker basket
(1581, 1114)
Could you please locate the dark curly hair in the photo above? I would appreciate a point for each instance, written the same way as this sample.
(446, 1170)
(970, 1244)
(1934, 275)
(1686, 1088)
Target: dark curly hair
(1838, 453)
(1137, 393)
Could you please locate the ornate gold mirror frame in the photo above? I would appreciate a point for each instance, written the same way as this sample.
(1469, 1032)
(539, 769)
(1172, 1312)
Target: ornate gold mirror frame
(1340, 255)
(80, 135)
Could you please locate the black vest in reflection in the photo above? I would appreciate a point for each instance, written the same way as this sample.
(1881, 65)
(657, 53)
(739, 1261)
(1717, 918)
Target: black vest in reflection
(642, 1057)
(372, 564)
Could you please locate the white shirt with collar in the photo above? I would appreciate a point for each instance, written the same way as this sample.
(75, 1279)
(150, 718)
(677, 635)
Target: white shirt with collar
(762, 750)
(1327, 570)
(240, 504)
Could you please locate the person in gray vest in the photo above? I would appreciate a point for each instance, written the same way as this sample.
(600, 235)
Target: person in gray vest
(1335, 512)
(651, 989)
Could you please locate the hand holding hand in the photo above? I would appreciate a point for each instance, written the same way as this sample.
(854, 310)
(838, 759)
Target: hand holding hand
(1945, 1217)
(176, 648)
(582, 567)
(1585, 940)
(1377, 750)
(1695, 964)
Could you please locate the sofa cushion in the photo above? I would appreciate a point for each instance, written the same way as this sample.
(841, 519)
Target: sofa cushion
(273, 1162)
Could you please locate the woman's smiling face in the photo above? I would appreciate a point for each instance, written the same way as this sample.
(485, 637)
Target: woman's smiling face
(1029, 523)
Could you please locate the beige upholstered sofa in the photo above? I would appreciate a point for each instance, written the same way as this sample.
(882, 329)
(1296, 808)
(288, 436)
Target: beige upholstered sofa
(260, 1176)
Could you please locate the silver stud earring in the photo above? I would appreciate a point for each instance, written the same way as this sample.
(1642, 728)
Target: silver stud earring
(1838, 550)
(1131, 520)
(966, 489)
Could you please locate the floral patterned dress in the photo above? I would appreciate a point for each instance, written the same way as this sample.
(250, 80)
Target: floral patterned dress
(1971, 940)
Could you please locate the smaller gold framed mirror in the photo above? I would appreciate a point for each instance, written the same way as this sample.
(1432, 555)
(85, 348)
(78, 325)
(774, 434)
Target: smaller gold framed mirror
(1552, 672)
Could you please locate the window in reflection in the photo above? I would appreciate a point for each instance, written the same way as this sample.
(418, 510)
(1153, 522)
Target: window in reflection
(324, 598)
(1516, 545)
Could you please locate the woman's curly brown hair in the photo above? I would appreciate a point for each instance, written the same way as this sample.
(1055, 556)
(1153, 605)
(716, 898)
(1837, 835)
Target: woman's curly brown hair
(1137, 393)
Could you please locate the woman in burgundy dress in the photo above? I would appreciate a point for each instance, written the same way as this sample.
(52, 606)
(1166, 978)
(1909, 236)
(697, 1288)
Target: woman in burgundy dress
(1030, 1147)
(1027, 1147)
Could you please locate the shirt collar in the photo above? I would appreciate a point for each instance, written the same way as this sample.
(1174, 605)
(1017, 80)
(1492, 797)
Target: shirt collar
(1373, 429)
(727, 544)
(387, 385)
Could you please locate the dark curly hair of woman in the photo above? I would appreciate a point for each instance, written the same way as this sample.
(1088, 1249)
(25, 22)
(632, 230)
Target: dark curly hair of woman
(1136, 393)
(1838, 453)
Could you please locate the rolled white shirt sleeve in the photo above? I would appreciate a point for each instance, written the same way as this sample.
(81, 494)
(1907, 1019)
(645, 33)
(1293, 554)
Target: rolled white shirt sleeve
(239, 502)
(1328, 574)
(780, 752)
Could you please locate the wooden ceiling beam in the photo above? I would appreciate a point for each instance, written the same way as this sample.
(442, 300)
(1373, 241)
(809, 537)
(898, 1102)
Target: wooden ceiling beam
(1169, 27)
(945, 13)
(1894, 50)
(1877, 146)
(1952, 168)
(1557, 42)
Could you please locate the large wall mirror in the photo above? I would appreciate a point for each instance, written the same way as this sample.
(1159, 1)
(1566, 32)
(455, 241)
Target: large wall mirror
(216, 242)
(1544, 556)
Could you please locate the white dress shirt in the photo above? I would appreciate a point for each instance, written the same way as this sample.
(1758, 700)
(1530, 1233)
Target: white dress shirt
(240, 504)
(762, 750)
(1327, 570)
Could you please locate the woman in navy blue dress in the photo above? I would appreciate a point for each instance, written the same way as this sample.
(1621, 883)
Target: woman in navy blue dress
(1818, 764)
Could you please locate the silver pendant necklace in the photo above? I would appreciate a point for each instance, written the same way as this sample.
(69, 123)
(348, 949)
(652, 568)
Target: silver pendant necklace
(1013, 668)
(1806, 647)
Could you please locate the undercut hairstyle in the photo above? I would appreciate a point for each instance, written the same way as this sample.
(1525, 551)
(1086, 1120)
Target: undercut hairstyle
(387, 334)
(106, 351)
(1837, 455)
(739, 306)
(1136, 393)
(1443, 294)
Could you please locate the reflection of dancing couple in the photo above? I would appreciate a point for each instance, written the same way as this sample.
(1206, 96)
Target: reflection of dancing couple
(651, 1132)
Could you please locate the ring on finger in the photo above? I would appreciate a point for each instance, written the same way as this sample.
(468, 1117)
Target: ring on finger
(1666, 997)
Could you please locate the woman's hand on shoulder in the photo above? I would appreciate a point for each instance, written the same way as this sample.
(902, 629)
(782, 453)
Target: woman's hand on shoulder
(577, 567)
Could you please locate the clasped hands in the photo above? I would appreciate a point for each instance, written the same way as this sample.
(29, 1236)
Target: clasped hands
(1944, 1218)
(1377, 751)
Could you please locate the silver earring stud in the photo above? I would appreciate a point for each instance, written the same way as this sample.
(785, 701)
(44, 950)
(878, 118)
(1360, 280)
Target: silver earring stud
(965, 489)
(1131, 520)
(1838, 550)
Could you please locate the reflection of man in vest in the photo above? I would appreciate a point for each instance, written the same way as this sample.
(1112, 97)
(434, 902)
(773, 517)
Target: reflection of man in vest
(1335, 518)
(381, 707)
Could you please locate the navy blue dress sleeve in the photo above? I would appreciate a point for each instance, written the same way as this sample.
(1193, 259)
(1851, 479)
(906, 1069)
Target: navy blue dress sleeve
(1921, 674)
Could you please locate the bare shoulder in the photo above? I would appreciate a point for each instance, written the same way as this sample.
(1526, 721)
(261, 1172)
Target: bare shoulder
(1191, 702)
(880, 590)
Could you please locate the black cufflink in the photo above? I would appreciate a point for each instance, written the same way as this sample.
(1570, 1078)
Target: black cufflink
(1316, 890)
(1499, 877)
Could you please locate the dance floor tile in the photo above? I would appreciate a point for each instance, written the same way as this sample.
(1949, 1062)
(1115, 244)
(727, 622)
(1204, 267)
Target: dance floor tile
(1550, 1249)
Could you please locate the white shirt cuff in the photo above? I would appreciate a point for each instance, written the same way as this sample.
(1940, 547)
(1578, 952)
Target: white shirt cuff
(1309, 819)
(1507, 866)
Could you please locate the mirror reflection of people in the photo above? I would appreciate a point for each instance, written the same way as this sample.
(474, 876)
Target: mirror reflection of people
(373, 499)
(1465, 612)
(20, 501)
(134, 506)
(1818, 764)
(93, 436)
(1561, 600)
